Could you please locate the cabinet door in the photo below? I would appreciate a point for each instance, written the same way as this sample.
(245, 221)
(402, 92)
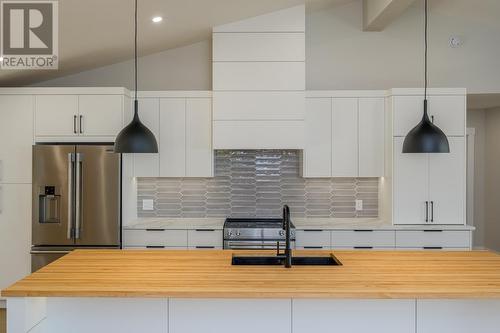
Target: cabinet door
(172, 137)
(15, 232)
(447, 184)
(345, 137)
(56, 115)
(100, 115)
(199, 159)
(16, 135)
(411, 189)
(407, 113)
(318, 132)
(147, 165)
(448, 113)
(371, 137)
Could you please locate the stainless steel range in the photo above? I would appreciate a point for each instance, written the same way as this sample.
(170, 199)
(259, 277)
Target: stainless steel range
(255, 233)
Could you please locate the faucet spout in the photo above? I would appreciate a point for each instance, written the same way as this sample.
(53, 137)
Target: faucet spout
(286, 228)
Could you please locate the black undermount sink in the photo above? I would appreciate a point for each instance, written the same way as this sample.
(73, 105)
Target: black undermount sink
(277, 261)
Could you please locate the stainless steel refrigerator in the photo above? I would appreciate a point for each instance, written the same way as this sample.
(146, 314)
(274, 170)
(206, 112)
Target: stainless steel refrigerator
(76, 200)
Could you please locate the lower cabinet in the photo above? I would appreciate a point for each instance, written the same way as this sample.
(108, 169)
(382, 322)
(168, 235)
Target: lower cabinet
(363, 239)
(353, 316)
(433, 239)
(312, 239)
(201, 239)
(15, 232)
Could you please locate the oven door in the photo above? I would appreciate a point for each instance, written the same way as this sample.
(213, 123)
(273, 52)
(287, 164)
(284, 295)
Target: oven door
(255, 244)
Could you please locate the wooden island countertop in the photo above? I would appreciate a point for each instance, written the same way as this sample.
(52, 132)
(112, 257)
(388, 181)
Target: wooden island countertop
(209, 274)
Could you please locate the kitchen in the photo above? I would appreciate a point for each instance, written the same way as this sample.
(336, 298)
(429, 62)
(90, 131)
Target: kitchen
(164, 236)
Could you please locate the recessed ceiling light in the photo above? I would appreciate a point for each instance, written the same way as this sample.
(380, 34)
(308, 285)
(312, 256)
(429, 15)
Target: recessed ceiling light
(157, 19)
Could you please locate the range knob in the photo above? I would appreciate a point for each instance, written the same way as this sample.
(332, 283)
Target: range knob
(238, 233)
(282, 232)
(229, 233)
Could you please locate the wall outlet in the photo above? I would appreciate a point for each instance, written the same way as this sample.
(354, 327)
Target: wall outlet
(359, 204)
(148, 204)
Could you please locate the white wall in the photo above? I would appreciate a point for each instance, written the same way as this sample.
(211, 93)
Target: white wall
(477, 119)
(341, 56)
(183, 68)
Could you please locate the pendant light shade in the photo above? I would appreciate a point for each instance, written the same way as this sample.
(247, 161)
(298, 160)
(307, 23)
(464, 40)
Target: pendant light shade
(426, 137)
(136, 137)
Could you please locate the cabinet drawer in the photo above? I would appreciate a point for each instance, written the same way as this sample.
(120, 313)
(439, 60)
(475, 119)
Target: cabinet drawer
(312, 239)
(433, 238)
(202, 247)
(204, 238)
(363, 238)
(155, 237)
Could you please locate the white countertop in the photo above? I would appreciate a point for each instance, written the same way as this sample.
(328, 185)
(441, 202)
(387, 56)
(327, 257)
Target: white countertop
(300, 223)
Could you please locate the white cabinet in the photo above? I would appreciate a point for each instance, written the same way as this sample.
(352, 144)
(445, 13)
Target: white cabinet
(433, 239)
(15, 232)
(172, 137)
(345, 137)
(155, 238)
(72, 115)
(318, 138)
(205, 239)
(363, 239)
(429, 188)
(100, 115)
(353, 316)
(16, 135)
(185, 137)
(199, 155)
(371, 130)
(56, 115)
(147, 165)
(446, 111)
(312, 239)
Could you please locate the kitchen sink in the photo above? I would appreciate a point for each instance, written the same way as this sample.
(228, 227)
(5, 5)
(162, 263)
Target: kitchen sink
(277, 261)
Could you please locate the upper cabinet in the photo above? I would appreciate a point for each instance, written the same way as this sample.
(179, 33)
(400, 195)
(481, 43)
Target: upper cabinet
(344, 134)
(16, 135)
(259, 82)
(70, 114)
(182, 124)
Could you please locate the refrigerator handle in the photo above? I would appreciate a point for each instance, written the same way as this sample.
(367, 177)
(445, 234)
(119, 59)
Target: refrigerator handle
(78, 194)
(70, 195)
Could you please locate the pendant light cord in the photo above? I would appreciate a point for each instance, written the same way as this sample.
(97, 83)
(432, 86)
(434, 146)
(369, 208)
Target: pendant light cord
(425, 48)
(135, 50)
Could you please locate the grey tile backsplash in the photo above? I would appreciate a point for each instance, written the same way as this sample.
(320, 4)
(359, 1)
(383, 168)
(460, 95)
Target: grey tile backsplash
(251, 183)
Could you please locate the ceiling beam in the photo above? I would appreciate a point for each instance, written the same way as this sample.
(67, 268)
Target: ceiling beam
(378, 14)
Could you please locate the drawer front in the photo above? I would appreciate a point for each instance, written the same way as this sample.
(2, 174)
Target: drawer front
(434, 248)
(155, 247)
(201, 247)
(312, 239)
(363, 238)
(429, 239)
(168, 238)
(204, 238)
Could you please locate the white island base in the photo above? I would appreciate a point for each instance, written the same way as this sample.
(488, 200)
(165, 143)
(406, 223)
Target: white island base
(187, 315)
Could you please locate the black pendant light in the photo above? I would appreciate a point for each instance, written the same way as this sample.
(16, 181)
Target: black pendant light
(426, 137)
(135, 137)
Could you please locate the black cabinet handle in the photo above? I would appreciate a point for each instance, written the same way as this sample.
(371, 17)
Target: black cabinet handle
(313, 247)
(155, 247)
(432, 230)
(204, 230)
(427, 211)
(433, 247)
(363, 230)
(74, 124)
(81, 124)
(155, 229)
(313, 230)
(205, 247)
(432, 211)
(363, 247)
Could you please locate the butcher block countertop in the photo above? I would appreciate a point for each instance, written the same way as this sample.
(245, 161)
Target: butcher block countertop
(209, 274)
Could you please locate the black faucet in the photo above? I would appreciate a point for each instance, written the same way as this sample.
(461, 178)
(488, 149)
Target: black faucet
(286, 227)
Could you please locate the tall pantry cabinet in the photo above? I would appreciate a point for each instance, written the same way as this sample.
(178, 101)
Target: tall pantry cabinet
(428, 188)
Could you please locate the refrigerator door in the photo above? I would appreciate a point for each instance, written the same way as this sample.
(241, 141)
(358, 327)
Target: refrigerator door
(97, 198)
(52, 195)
